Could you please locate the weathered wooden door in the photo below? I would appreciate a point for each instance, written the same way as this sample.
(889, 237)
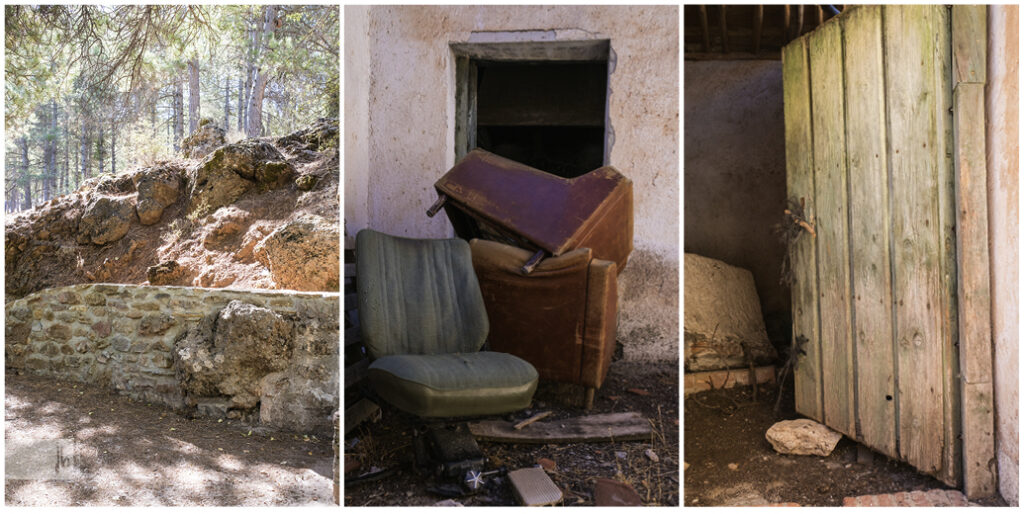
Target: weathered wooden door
(868, 110)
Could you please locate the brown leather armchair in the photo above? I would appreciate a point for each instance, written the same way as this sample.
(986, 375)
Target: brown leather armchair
(560, 318)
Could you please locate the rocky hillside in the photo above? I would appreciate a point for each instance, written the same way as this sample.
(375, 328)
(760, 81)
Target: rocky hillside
(260, 213)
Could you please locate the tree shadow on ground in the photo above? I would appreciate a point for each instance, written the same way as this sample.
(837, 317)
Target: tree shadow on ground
(128, 452)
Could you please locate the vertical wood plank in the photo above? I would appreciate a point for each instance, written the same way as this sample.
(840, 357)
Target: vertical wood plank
(969, 26)
(828, 119)
(914, 133)
(973, 287)
(869, 227)
(800, 185)
(943, 109)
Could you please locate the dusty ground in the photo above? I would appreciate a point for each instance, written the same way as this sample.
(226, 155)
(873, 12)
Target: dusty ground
(726, 427)
(132, 453)
(387, 444)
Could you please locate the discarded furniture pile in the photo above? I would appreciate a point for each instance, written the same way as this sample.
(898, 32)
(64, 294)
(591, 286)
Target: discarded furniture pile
(465, 327)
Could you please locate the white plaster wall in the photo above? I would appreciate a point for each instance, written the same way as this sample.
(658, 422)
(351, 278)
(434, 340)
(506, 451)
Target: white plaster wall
(1002, 113)
(404, 140)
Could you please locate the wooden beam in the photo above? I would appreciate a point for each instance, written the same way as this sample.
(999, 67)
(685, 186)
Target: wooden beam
(798, 27)
(725, 31)
(758, 22)
(785, 24)
(821, 15)
(974, 300)
(704, 30)
(969, 32)
(734, 56)
(622, 426)
(356, 372)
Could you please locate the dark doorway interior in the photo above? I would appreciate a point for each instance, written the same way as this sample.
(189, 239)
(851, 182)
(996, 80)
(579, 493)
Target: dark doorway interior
(549, 115)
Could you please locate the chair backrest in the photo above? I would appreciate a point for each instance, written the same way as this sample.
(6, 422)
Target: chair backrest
(417, 296)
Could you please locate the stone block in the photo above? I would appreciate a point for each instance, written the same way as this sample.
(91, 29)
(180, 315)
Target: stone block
(101, 328)
(723, 323)
(67, 297)
(214, 407)
(95, 299)
(120, 343)
(156, 324)
(36, 361)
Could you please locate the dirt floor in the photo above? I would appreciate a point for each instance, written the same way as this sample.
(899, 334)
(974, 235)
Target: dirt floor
(731, 463)
(131, 453)
(651, 389)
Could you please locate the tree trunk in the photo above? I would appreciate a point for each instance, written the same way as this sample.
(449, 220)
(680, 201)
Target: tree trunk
(85, 153)
(193, 96)
(113, 147)
(47, 153)
(26, 178)
(241, 105)
(66, 173)
(254, 112)
(178, 114)
(99, 147)
(227, 101)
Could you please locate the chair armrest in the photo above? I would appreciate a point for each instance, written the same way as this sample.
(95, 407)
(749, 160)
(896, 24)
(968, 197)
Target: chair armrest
(599, 327)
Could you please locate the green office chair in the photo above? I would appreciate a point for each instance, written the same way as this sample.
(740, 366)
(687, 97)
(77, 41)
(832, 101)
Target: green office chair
(423, 323)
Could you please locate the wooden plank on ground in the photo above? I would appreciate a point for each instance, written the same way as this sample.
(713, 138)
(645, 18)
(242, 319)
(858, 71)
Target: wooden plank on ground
(725, 379)
(973, 288)
(869, 228)
(362, 411)
(825, 51)
(356, 372)
(623, 426)
(969, 27)
(800, 186)
(910, 35)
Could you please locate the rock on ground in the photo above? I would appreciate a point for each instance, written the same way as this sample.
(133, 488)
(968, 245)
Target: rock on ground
(723, 321)
(229, 354)
(106, 219)
(207, 138)
(158, 187)
(231, 170)
(802, 437)
(302, 255)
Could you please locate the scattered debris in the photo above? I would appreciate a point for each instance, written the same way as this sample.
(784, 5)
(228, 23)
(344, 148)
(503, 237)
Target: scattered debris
(533, 487)
(531, 419)
(360, 412)
(612, 493)
(448, 503)
(621, 455)
(625, 426)
(802, 437)
(651, 455)
(639, 392)
(547, 464)
(733, 466)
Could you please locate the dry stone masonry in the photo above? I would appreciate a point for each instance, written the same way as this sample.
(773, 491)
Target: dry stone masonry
(227, 353)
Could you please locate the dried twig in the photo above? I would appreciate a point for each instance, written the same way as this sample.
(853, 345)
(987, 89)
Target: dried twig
(531, 419)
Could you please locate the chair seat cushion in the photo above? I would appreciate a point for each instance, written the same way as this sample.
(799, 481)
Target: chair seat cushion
(456, 384)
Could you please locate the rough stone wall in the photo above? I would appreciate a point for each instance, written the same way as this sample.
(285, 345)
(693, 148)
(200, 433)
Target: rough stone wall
(734, 174)
(124, 336)
(400, 131)
(1003, 156)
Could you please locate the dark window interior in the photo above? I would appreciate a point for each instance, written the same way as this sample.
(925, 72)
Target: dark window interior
(549, 115)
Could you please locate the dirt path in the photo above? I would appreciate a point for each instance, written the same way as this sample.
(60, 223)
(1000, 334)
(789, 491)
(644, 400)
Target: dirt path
(387, 444)
(121, 452)
(731, 462)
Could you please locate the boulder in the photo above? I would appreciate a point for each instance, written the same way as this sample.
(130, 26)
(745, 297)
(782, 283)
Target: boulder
(723, 325)
(158, 187)
(802, 437)
(302, 254)
(231, 170)
(228, 355)
(207, 138)
(106, 219)
(214, 186)
(319, 137)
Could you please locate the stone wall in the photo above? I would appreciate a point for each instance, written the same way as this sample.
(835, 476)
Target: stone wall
(128, 336)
